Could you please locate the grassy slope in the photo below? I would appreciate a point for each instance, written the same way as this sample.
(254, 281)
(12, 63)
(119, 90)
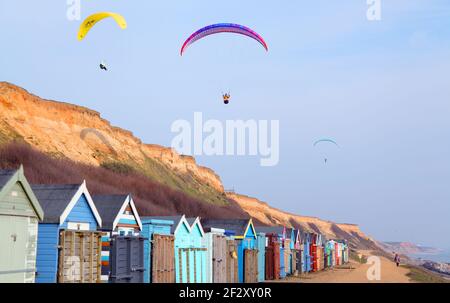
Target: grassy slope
(421, 275)
(151, 197)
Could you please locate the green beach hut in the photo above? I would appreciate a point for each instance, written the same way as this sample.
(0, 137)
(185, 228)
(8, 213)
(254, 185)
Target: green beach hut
(20, 213)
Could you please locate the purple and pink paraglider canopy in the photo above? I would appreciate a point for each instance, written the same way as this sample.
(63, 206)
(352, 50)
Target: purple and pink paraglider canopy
(223, 28)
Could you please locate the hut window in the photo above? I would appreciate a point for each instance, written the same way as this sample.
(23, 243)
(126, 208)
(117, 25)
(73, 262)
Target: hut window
(14, 193)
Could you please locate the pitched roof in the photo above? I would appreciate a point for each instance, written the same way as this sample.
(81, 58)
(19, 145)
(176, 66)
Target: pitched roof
(10, 177)
(108, 207)
(271, 229)
(54, 199)
(176, 220)
(5, 176)
(239, 226)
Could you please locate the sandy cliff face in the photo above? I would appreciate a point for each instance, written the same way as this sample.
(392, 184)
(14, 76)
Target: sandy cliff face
(268, 215)
(83, 135)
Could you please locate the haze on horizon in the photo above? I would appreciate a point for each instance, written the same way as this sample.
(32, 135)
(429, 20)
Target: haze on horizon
(381, 89)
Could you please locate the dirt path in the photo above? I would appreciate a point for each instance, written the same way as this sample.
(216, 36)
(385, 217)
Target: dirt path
(356, 273)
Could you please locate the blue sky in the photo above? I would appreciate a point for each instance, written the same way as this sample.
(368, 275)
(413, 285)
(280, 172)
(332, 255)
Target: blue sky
(381, 89)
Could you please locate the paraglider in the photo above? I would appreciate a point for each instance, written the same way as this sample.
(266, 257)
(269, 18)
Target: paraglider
(322, 141)
(222, 28)
(226, 98)
(92, 20)
(103, 66)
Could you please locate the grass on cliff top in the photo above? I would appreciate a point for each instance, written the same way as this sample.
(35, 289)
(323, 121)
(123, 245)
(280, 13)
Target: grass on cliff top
(183, 182)
(421, 275)
(164, 175)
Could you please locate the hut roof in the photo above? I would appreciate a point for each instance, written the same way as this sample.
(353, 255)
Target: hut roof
(176, 220)
(271, 229)
(54, 199)
(109, 207)
(9, 177)
(5, 176)
(239, 226)
(57, 200)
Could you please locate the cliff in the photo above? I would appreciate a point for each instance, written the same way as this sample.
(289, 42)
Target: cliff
(65, 131)
(81, 134)
(268, 215)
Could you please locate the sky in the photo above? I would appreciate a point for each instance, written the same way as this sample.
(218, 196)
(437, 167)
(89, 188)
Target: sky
(381, 89)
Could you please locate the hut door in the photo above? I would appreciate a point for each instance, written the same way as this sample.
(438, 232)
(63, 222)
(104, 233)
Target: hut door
(127, 259)
(219, 259)
(232, 262)
(298, 258)
(80, 257)
(163, 259)
(269, 263)
(251, 266)
(294, 262)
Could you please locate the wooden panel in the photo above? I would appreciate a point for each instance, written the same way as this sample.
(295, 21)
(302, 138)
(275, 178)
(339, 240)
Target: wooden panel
(79, 257)
(251, 266)
(219, 259)
(232, 262)
(294, 262)
(163, 259)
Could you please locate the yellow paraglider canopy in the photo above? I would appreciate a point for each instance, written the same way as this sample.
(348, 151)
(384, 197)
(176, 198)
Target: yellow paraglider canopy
(92, 20)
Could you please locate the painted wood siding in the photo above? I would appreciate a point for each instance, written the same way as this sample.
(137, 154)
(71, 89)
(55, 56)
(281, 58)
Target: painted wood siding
(249, 242)
(16, 202)
(47, 253)
(48, 240)
(190, 256)
(81, 213)
(18, 238)
(261, 244)
(149, 228)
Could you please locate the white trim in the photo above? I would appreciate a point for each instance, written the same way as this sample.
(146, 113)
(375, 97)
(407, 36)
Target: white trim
(197, 221)
(135, 212)
(217, 231)
(128, 200)
(182, 220)
(81, 190)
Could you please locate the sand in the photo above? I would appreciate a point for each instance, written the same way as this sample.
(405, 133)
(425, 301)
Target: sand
(354, 272)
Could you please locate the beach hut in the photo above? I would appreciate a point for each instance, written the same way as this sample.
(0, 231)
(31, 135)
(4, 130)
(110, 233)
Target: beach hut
(245, 236)
(217, 246)
(121, 228)
(275, 240)
(159, 250)
(261, 246)
(20, 212)
(296, 247)
(307, 264)
(69, 245)
(272, 266)
(328, 253)
(190, 251)
(232, 260)
(216, 243)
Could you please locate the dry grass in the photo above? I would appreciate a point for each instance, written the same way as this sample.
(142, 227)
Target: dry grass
(152, 198)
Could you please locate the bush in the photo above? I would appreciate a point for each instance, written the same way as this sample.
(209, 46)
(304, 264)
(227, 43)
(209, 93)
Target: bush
(152, 198)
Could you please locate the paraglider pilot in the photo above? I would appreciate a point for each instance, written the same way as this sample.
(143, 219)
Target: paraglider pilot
(103, 66)
(226, 98)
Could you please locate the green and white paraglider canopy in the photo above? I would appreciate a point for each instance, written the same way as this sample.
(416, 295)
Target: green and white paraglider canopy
(326, 141)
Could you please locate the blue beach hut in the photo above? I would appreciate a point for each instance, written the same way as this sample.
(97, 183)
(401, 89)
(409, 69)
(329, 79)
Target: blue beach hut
(70, 221)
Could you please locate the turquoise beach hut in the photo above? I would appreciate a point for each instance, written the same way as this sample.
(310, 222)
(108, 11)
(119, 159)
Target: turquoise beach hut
(159, 242)
(190, 250)
(261, 243)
